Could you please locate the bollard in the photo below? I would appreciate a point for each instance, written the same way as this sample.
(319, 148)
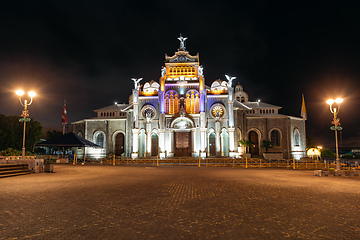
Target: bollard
(74, 159)
(114, 159)
(199, 160)
(293, 163)
(246, 163)
(157, 160)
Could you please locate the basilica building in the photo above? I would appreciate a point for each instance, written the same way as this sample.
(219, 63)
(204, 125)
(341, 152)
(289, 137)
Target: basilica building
(180, 116)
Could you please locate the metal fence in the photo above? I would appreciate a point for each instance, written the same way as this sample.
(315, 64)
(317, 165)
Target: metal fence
(216, 162)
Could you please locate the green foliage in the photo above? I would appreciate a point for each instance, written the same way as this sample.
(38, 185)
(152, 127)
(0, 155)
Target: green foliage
(51, 134)
(247, 144)
(266, 144)
(11, 133)
(14, 152)
(11, 152)
(347, 156)
(327, 153)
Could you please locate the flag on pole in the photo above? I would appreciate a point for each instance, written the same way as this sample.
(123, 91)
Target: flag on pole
(64, 117)
(303, 108)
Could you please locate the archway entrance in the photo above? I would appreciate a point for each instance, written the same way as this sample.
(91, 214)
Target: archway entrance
(212, 146)
(154, 144)
(182, 136)
(119, 144)
(182, 144)
(253, 136)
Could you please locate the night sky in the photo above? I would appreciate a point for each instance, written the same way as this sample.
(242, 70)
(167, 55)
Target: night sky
(87, 52)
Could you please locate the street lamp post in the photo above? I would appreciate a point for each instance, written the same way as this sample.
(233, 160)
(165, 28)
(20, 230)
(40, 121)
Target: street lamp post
(336, 127)
(25, 113)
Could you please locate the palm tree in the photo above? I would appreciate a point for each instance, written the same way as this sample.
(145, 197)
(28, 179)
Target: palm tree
(266, 144)
(247, 144)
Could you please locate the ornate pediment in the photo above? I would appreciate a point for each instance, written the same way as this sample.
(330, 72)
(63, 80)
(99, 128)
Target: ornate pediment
(182, 56)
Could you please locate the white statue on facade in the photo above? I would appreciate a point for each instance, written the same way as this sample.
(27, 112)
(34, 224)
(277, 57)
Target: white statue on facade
(182, 42)
(229, 79)
(163, 71)
(136, 82)
(201, 71)
(148, 116)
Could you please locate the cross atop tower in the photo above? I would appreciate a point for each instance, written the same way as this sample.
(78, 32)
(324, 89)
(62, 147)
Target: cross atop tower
(182, 43)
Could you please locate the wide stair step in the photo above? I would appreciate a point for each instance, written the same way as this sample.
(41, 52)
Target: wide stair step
(11, 170)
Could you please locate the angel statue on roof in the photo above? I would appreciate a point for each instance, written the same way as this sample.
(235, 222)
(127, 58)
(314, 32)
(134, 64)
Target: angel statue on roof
(136, 82)
(229, 79)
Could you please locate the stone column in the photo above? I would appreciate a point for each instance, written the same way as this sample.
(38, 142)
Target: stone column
(203, 142)
(193, 142)
(232, 152)
(171, 140)
(148, 139)
(135, 152)
(217, 139)
(203, 130)
(162, 143)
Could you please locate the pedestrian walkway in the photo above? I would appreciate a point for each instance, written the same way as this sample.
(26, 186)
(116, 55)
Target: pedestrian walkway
(170, 202)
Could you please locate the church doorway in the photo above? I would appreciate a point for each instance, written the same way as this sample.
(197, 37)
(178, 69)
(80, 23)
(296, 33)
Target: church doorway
(224, 137)
(182, 144)
(212, 146)
(154, 144)
(253, 136)
(142, 143)
(119, 144)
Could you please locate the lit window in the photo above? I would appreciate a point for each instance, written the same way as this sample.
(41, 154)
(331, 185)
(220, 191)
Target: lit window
(99, 138)
(296, 138)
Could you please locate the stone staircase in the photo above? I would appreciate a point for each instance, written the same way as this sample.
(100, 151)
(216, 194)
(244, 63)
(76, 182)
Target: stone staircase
(11, 170)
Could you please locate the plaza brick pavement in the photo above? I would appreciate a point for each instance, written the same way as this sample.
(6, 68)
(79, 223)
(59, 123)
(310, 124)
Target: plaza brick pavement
(138, 202)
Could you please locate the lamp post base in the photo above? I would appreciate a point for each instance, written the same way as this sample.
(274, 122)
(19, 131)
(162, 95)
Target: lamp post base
(23, 154)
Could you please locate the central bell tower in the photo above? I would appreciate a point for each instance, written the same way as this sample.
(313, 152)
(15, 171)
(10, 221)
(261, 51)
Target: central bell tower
(182, 87)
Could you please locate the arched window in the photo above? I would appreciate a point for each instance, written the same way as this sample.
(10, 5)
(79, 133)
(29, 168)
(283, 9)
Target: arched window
(99, 139)
(275, 138)
(119, 144)
(172, 102)
(192, 101)
(154, 144)
(296, 138)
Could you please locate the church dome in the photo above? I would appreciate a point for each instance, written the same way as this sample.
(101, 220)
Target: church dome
(239, 88)
(219, 85)
(151, 88)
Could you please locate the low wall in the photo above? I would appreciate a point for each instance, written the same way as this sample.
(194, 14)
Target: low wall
(35, 165)
(273, 155)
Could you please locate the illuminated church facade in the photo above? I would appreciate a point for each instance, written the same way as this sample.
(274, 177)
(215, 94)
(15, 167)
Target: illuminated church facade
(180, 116)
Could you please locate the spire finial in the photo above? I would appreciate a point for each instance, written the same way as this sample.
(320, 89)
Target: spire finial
(182, 43)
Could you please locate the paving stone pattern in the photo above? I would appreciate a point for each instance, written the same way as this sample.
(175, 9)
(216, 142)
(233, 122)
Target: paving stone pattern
(117, 202)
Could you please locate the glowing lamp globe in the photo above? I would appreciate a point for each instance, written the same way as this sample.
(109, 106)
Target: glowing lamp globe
(330, 101)
(339, 100)
(19, 92)
(32, 94)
